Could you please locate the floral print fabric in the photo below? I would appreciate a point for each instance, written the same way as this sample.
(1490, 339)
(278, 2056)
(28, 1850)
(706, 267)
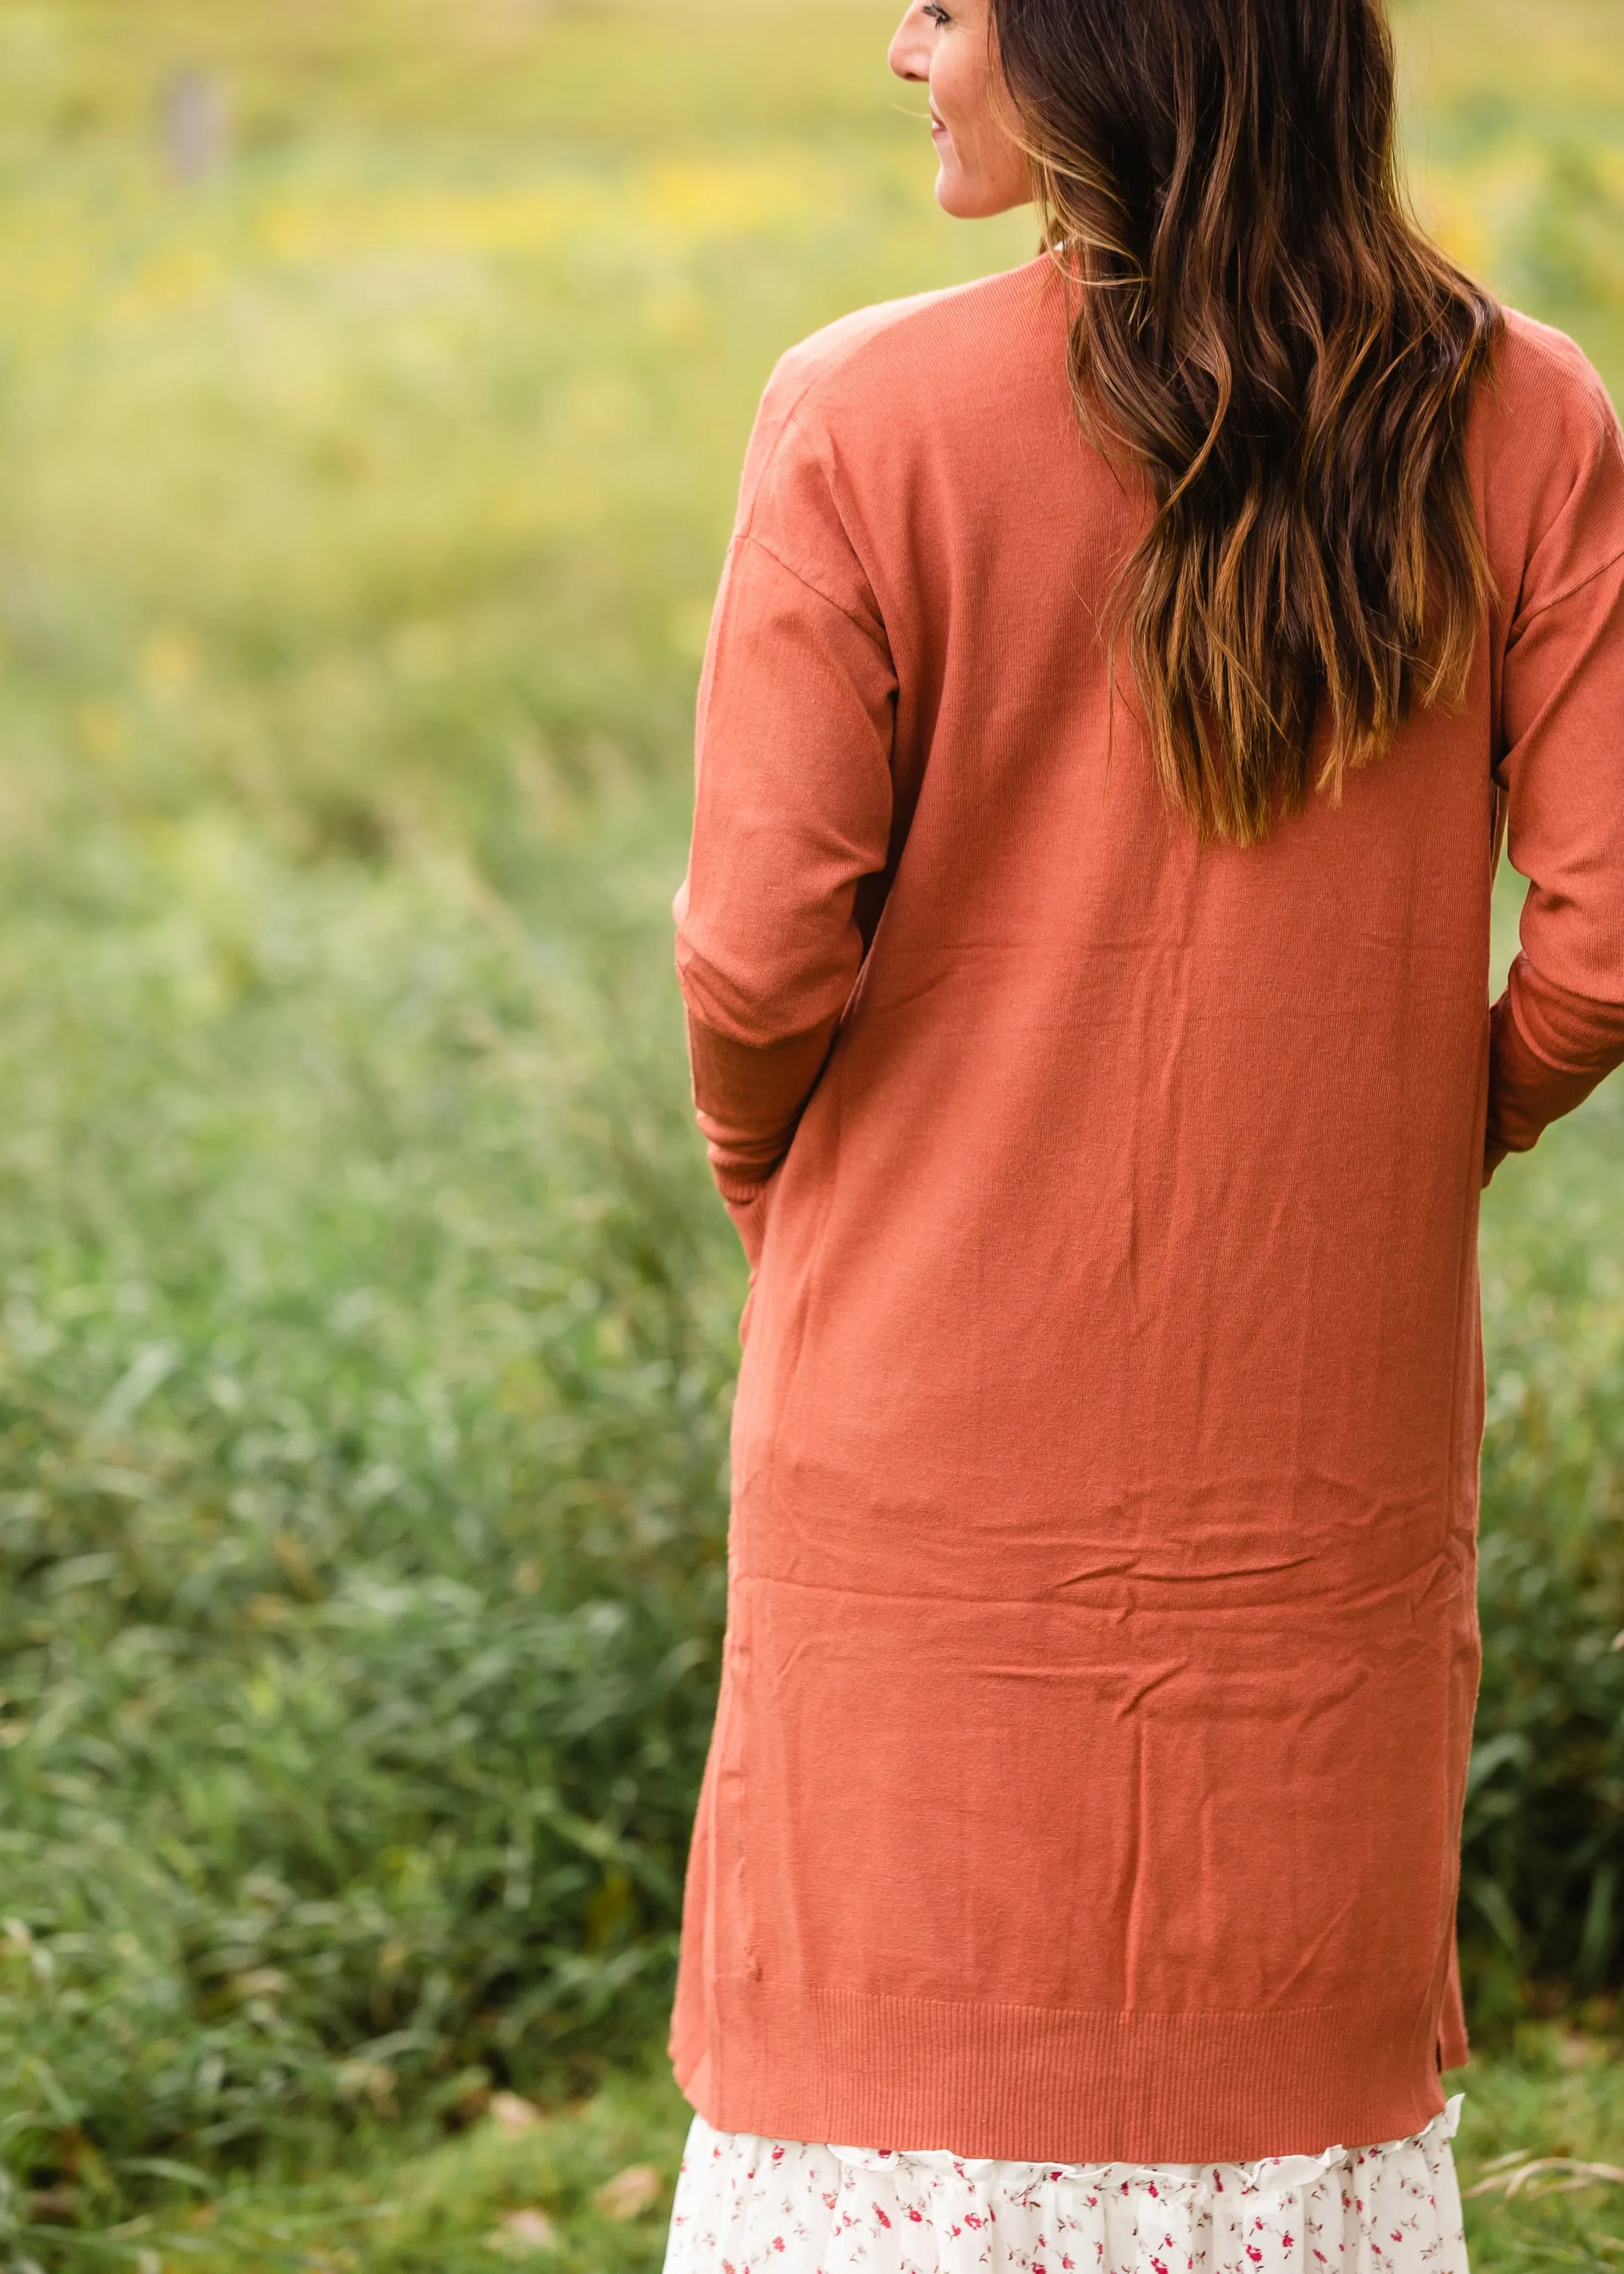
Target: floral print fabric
(751, 2206)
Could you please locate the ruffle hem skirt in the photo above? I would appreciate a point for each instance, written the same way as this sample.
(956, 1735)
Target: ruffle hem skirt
(751, 2206)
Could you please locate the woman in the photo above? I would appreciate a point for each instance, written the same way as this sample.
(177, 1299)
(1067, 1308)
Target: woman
(1122, 674)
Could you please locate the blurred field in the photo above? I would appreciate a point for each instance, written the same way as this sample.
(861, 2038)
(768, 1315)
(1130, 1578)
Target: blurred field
(372, 387)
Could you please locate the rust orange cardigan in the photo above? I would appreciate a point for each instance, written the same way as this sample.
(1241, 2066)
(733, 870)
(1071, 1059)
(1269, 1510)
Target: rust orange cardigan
(1102, 1650)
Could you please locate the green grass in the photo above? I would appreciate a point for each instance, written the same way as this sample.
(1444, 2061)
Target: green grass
(440, 2205)
(366, 1325)
(443, 2210)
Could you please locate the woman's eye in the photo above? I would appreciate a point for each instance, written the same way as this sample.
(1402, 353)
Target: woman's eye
(935, 14)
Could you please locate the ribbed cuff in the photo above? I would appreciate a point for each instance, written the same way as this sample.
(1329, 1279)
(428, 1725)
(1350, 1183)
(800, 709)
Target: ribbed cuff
(750, 1099)
(1548, 1049)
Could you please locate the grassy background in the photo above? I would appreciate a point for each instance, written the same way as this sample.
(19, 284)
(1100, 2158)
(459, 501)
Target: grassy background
(366, 1328)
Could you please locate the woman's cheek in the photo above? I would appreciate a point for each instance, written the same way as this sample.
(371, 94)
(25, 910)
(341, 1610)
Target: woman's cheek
(964, 108)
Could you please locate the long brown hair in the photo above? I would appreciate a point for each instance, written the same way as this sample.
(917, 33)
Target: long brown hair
(1263, 329)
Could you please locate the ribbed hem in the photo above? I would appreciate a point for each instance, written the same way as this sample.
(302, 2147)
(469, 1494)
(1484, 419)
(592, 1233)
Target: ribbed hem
(1036, 2084)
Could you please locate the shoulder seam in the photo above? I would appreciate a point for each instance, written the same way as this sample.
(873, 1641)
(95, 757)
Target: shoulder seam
(1532, 615)
(748, 537)
(791, 418)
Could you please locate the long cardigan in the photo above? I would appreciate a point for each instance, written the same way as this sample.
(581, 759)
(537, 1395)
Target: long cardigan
(1102, 1647)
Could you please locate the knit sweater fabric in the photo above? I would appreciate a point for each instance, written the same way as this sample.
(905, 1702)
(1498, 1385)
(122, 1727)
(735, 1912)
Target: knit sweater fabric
(1101, 1646)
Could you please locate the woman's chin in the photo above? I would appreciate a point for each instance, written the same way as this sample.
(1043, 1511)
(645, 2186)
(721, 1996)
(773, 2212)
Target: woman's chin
(967, 199)
(956, 195)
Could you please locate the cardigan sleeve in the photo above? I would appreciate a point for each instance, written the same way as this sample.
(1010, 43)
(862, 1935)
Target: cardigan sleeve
(792, 810)
(1559, 1026)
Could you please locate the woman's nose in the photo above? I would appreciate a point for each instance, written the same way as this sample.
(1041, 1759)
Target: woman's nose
(909, 55)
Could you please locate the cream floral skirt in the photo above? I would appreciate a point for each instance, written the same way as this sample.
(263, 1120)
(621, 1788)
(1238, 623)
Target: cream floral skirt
(750, 2206)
